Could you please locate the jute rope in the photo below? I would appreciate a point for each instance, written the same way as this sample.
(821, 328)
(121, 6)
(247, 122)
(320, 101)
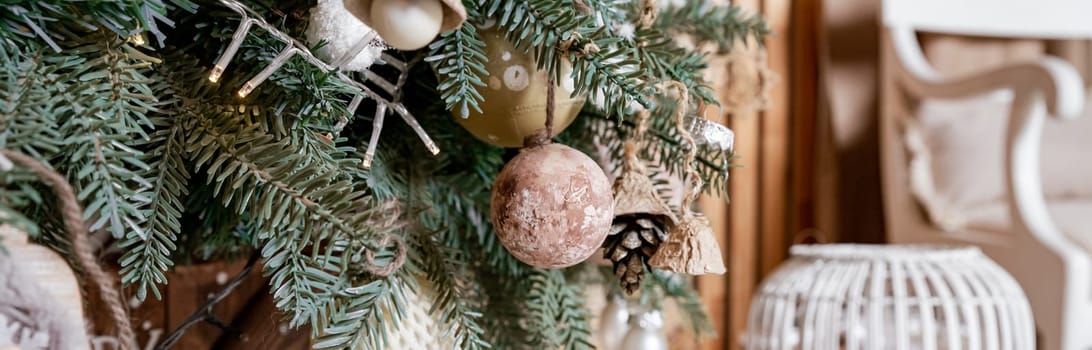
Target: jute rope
(630, 160)
(648, 13)
(396, 262)
(692, 177)
(542, 136)
(72, 215)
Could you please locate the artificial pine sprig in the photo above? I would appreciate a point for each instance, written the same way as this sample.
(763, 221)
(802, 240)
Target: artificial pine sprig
(707, 22)
(113, 100)
(555, 307)
(458, 57)
(33, 24)
(147, 257)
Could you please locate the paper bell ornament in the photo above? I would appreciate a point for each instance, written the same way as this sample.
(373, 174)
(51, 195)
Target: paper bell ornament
(634, 193)
(691, 248)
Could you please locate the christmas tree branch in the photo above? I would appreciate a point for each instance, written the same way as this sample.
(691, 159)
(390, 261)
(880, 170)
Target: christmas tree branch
(559, 311)
(147, 258)
(359, 322)
(718, 24)
(303, 284)
(446, 268)
(112, 102)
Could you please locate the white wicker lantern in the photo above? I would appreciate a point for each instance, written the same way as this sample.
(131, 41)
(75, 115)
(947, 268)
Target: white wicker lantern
(879, 297)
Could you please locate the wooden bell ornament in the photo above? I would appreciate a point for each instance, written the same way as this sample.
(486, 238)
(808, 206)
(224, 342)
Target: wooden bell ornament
(408, 24)
(691, 247)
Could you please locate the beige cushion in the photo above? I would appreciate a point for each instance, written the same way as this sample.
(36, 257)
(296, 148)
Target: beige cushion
(1072, 216)
(957, 156)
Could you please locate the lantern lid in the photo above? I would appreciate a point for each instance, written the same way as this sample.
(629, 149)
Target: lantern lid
(885, 252)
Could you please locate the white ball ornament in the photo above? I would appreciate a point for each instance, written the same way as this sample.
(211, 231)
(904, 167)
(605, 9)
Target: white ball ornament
(407, 24)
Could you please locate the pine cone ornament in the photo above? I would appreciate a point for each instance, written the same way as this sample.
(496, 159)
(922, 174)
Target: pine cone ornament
(632, 241)
(641, 222)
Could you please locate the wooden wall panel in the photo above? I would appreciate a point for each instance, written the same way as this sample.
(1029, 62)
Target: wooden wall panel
(776, 141)
(772, 190)
(805, 15)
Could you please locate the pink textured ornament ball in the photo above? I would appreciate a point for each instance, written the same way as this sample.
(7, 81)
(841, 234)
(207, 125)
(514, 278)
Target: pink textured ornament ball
(552, 206)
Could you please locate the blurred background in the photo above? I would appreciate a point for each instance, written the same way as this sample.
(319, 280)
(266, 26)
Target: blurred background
(810, 163)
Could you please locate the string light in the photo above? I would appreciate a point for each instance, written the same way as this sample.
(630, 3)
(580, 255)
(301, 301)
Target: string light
(265, 73)
(233, 47)
(356, 49)
(377, 126)
(401, 110)
(137, 39)
(295, 48)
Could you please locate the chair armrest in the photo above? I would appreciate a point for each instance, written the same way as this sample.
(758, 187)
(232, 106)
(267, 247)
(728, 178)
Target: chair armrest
(1059, 83)
(1027, 205)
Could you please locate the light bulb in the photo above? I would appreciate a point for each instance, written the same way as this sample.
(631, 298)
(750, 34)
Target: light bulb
(265, 73)
(225, 58)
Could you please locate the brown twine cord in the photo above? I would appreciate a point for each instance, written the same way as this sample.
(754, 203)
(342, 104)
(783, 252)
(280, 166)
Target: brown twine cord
(648, 13)
(397, 262)
(542, 136)
(630, 161)
(566, 46)
(692, 178)
(582, 6)
(72, 215)
(390, 221)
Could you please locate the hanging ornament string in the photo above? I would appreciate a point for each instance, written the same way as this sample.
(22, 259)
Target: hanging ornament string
(542, 136)
(692, 247)
(365, 258)
(648, 13)
(692, 177)
(550, 105)
(642, 219)
(630, 160)
(76, 228)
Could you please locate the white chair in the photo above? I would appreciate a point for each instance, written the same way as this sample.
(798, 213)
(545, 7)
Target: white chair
(1037, 236)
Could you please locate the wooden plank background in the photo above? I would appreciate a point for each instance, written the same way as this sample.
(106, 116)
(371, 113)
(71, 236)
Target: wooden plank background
(772, 192)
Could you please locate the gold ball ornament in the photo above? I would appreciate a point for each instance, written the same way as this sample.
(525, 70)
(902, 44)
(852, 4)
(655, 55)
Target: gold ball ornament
(551, 206)
(408, 24)
(514, 105)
